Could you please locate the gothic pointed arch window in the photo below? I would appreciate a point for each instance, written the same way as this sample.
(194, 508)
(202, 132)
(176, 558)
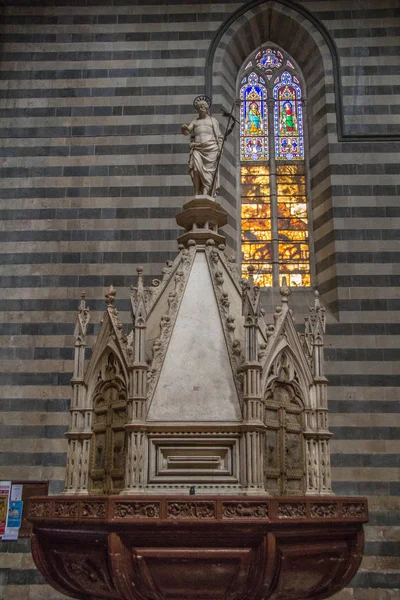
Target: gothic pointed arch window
(275, 228)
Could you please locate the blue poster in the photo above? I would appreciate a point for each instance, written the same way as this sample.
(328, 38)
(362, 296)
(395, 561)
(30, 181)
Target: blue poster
(14, 516)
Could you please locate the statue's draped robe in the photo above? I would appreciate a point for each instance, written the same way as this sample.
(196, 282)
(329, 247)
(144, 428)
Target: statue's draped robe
(203, 159)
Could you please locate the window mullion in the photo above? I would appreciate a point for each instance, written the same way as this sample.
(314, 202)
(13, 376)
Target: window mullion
(273, 193)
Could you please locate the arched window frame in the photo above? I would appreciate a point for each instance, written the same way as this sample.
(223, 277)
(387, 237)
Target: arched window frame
(270, 242)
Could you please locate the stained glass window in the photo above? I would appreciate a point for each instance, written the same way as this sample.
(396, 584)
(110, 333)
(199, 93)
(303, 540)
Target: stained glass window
(275, 228)
(288, 119)
(253, 119)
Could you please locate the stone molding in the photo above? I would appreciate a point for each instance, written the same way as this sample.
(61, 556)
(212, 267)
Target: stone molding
(217, 508)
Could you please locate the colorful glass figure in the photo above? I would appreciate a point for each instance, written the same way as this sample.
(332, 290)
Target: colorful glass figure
(269, 59)
(253, 122)
(288, 119)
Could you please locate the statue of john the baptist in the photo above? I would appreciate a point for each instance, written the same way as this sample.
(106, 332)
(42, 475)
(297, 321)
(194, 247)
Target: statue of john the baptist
(205, 145)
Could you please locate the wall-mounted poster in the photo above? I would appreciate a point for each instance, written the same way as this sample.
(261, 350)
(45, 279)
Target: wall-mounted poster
(14, 518)
(5, 487)
(16, 491)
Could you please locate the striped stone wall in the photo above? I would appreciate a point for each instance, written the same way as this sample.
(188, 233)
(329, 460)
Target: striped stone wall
(94, 169)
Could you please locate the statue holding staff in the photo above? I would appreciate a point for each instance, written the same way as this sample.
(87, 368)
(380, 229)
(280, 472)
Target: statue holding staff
(205, 147)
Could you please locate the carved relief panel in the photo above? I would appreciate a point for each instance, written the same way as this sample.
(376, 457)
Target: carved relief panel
(284, 452)
(107, 466)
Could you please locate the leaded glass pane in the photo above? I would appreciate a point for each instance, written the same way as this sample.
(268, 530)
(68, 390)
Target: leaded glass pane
(257, 252)
(257, 248)
(253, 120)
(288, 119)
(290, 169)
(292, 208)
(296, 279)
(262, 274)
(260, 170)
(256, 229)
(257, 210)
(293, 247)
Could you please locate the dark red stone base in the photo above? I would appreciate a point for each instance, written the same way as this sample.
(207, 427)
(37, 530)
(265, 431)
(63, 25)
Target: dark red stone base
(197, 547)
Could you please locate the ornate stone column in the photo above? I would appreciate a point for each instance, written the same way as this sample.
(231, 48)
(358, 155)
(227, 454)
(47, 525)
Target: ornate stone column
(318, 452)
(79, 432)
(136, 456)
(253, 426)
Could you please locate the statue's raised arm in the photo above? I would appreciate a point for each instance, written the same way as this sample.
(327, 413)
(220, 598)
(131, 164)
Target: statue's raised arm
(205, 147)
(187, 129)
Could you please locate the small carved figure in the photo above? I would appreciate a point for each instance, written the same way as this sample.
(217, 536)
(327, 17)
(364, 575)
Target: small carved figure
(205, 146)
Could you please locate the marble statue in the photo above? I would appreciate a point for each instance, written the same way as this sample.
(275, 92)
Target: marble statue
(205, 147)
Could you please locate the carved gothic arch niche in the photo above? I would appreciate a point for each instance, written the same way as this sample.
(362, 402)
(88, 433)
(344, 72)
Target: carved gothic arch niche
(284, 417)
(299, 372)
(294, 29)
(108, 401)
(284, 443)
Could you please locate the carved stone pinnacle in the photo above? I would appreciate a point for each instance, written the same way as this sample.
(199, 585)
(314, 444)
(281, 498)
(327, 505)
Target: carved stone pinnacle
(284, 290)
(110, 296)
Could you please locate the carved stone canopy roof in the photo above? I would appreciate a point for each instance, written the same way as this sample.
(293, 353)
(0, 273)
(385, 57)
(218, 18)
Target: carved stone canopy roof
(202, 377)
(196, 380)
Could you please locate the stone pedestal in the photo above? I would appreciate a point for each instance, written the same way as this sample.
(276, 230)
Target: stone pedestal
(197, 548)
(201, 217)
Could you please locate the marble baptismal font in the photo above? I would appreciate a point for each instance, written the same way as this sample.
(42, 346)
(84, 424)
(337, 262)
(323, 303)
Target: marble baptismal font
(198, 448)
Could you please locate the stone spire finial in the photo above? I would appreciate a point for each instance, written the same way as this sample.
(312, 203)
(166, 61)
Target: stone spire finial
(250, 295)
(110, 296)
(250, 270)
(319, 311)
(317, 303)
(138, 299)
(82, 303)
(81, 321)
(284, 290)
(139, 271)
